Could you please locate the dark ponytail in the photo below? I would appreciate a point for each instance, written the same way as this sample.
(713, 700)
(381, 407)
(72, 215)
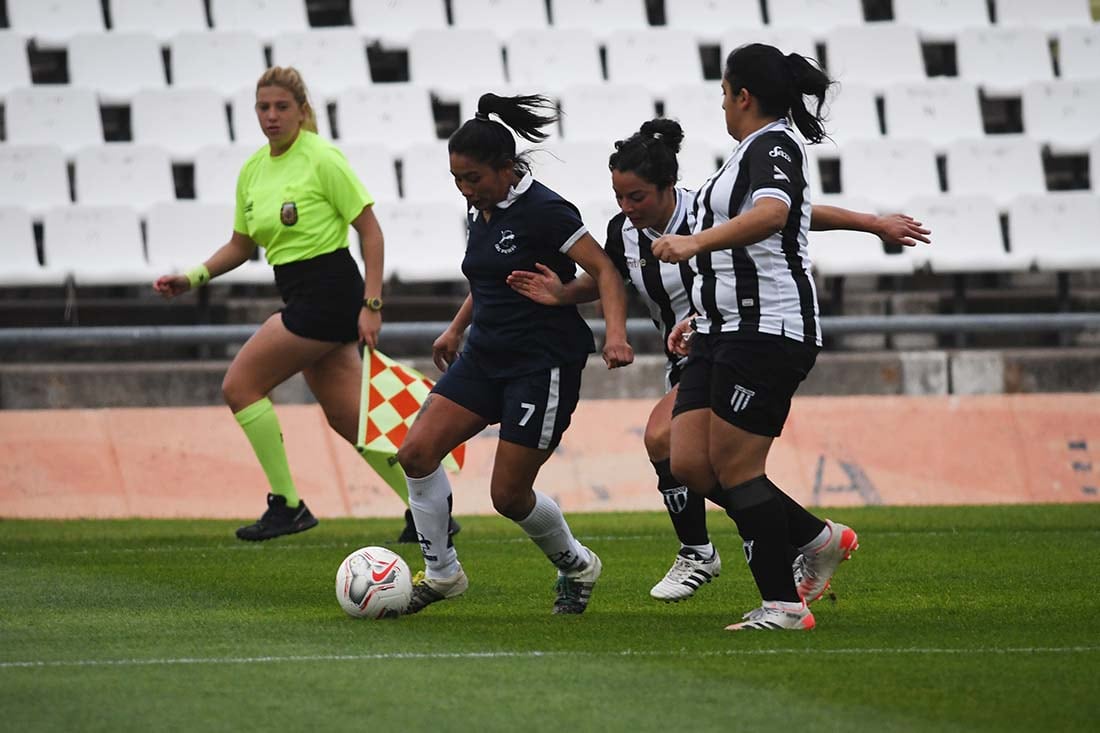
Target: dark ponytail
(650, 153)
(490, 142)
(780, 84)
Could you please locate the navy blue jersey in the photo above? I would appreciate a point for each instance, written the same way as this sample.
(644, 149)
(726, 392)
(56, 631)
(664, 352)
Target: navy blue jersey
(510, 334)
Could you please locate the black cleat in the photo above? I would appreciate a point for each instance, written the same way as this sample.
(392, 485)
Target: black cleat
(408, 534)
(279, 519)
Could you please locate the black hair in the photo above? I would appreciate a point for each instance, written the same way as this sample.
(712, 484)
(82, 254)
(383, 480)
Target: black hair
(490, 142)
(779, 84)
(650, 153)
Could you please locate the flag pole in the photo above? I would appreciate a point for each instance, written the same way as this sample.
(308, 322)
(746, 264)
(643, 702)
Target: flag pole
(364, 399)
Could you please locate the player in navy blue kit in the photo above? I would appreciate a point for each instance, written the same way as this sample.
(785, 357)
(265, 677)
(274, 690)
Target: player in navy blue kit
(522, 361)
(644, 172)
(758, 332)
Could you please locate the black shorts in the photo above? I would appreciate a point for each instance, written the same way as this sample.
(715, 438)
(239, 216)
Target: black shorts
(746, 379)
(323, 297)
(533, 409)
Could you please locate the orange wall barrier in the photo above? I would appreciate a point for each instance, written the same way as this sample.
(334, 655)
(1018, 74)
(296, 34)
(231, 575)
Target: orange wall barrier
(835, 451)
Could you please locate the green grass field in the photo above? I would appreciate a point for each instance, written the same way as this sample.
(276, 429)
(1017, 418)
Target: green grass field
(977, 618)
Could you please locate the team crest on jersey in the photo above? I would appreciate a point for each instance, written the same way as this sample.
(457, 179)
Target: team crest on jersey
(778, 152)
(741, 397)
(288, 214)
(507, 243)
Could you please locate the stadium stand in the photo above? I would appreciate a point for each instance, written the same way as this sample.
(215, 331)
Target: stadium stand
(395, 115)
(331, 60)
(52, 24)
(35, 177)
(1058, 230)
(820, 17)
(116, 65)
(656, 58)
(580, 167)
(1062, 113)
(162, 18)
(180, 233)
(1002, 166)
(889, 171)
(17, 247)
(432, 57)
(706, 19)
(1003, 60)
(552, 59)
(226, 61)
(598, 111)
(139, 175)
(940, 110)
(796, 40)
(428, 239)
(216, 169)
(940, 20)
(879, 55)
(841, 253)
(852, 113)
(376, 166)
(695, 107)
(599, 17)
(267, 18)
(51, 115)
(95, 245)
(392, 22)
(15, 67)
(503, 18)
(1051, 15)
(425, 175)
(1079, 52)
(968, 235)
(179, 120)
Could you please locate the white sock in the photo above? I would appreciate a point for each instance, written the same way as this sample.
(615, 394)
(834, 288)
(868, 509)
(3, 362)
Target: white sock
(547, 527)
(430, 502)
(704, 551)
(813, 546)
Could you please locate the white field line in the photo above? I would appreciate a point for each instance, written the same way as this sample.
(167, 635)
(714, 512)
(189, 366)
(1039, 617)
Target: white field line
(418, 656)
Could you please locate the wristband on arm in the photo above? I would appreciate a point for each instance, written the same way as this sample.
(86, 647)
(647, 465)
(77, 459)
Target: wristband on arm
(198, 276)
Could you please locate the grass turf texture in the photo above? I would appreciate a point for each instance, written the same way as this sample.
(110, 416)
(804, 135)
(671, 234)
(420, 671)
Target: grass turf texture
(976, 618)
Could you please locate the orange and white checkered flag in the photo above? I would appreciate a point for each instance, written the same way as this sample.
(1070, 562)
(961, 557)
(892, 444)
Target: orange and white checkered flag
(391, 396)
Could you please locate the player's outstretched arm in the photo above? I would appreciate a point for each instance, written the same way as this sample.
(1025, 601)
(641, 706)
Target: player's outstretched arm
(897, 229)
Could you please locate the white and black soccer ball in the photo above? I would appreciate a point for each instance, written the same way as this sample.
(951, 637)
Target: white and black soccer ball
(373, 582)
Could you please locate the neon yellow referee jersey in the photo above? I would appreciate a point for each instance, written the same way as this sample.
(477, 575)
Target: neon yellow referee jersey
(298, 205)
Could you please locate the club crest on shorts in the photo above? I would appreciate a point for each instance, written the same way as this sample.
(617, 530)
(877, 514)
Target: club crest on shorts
(741, 397)
(288, 214)
(746, 545)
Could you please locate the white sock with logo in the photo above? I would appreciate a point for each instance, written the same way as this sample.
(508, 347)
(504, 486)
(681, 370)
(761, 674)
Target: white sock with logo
(430, 502)
(547, 527)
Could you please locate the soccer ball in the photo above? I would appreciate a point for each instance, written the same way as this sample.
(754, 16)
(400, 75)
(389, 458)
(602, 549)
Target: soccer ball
(373, 582)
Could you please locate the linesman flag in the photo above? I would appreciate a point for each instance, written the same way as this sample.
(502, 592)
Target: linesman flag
(392, 394)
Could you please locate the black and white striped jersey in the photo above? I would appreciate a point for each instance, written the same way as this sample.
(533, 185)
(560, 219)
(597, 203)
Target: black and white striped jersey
(765, 287)
(665, 287)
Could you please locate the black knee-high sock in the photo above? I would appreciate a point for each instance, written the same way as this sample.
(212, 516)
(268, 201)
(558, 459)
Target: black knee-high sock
(686, 509)
(802, 524)
(792, 549)
(761, 519)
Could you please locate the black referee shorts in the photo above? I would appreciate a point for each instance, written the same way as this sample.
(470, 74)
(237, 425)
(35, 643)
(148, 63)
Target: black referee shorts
(323, 297)
(746, 379)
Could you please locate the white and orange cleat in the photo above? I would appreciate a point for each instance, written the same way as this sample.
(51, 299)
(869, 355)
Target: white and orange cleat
(814, 568)
(776, 616)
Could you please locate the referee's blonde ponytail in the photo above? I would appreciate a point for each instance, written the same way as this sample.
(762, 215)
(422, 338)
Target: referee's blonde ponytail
(288, 78)
(780, 84)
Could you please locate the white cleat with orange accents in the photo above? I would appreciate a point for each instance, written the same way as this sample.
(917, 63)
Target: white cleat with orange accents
(776, 616)
(813, 569)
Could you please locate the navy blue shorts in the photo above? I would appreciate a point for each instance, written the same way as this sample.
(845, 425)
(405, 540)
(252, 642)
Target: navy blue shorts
(533, 409)
(748, 380)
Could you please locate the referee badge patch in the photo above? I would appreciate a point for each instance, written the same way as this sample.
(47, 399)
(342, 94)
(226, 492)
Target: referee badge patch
(741, 397)
(288, 214)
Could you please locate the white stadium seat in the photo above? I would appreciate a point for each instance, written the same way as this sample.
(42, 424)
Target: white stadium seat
(576, 171)
(223, 60)
(851, 113)
(966, 235)
(653, 57)
(697, 163)
(392, 22)
(888, 171)
(425, 240)
(116, 65)
(596, 214)
(503, 17)
(840, 252)
(18, 251)
(599, 112)
(1079, 52)
(265, 18)
(1001, 166)
(939, 111)
(52, 24)
(599, 17)
(375, 165)
(550, 60)
(179, 120)
(788, 40)
(819, 16)
(426, 175)
(433, 57)
(138, 175)
(329, 60)
(1057, 230)
(246, 128)
(95, 245)
(395, 115)
(878, 55)
(163, 18)
(941, 20)
(53, 115)
(216, 171)
(1063, 113)
(1003, 60)
(15, 67)
(35, 177)
(1094, 165)
(706, 20)
(698, 109)
(181, 233)
(1049, 15)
